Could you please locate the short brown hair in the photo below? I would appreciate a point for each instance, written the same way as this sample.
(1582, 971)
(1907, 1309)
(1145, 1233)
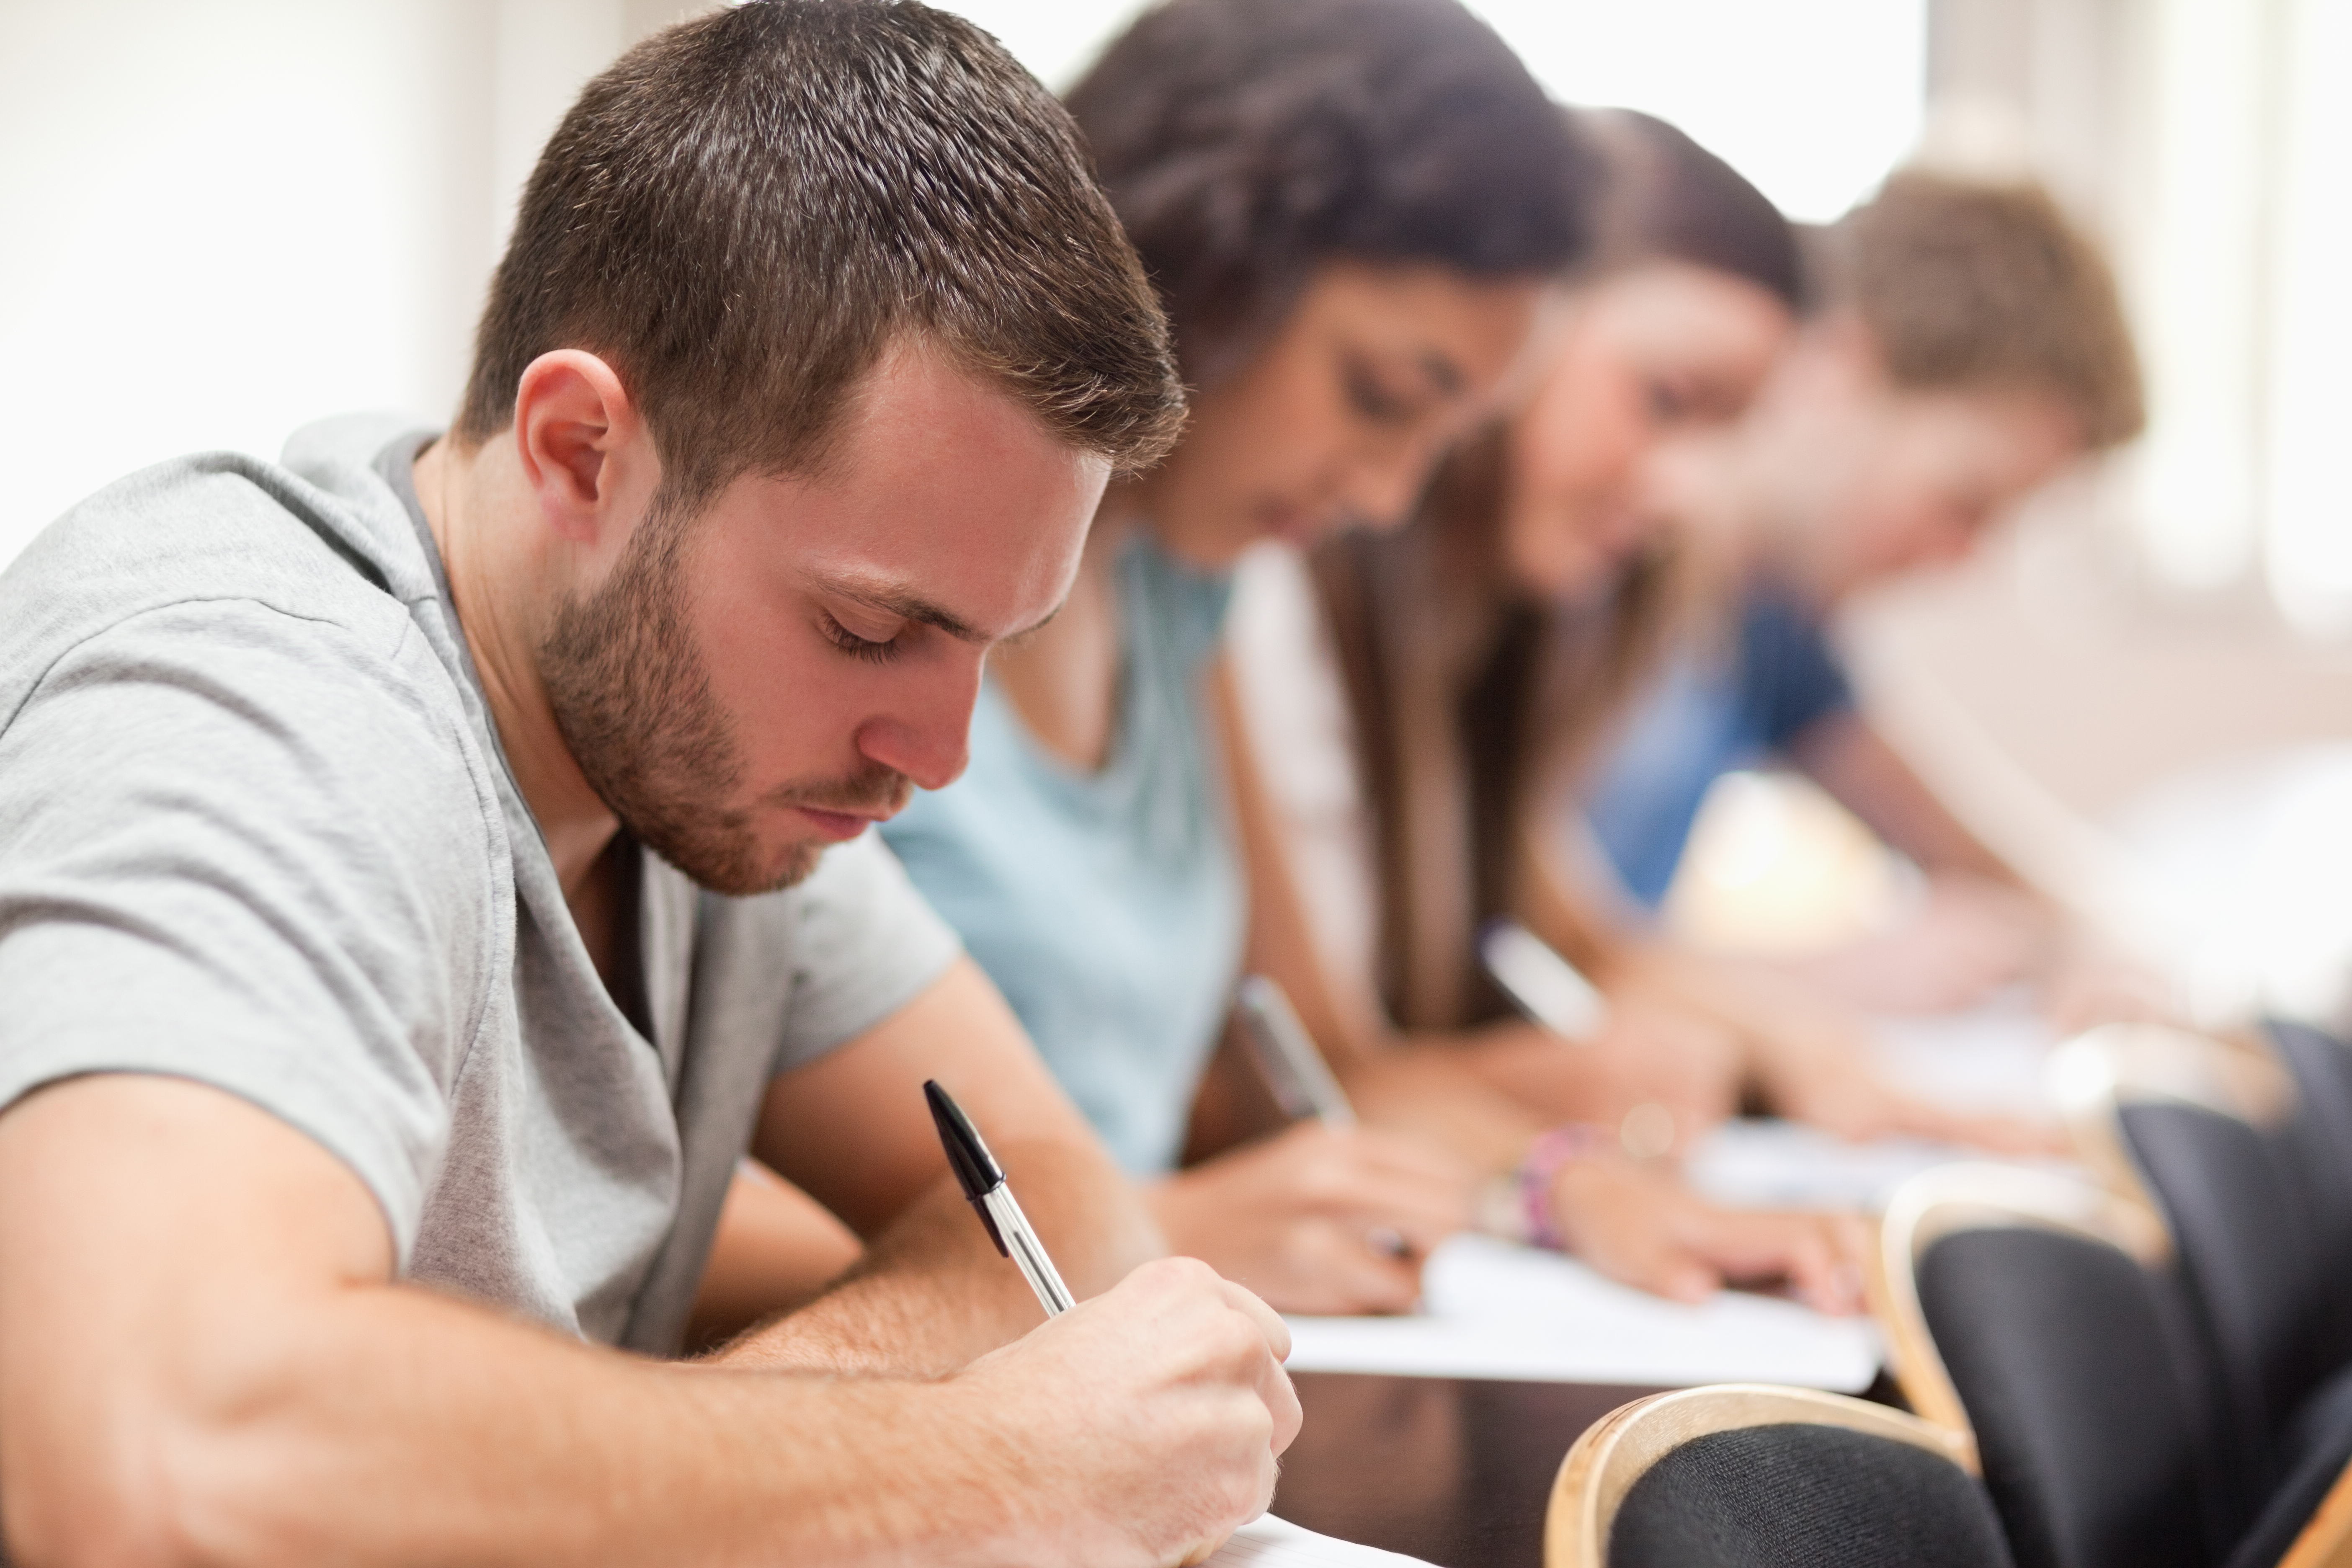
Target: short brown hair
(747, 208)
(1964, 283)
(1246, 142)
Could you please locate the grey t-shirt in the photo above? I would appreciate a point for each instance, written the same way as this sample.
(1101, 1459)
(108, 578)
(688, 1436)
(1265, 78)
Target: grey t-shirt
(256, 831)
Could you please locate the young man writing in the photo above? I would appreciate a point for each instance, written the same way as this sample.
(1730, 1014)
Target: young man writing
(411, 903)
(1971, 347)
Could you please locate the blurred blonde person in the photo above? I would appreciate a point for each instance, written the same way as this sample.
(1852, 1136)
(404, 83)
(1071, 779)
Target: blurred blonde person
(1971, 348)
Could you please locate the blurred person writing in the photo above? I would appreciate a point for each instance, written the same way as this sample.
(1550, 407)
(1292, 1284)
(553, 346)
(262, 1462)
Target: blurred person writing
(416, 891)
(1409, 707)
(1351, 209)
(1971, 346)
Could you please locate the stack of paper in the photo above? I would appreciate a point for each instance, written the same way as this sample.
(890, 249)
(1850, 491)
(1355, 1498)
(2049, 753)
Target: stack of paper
(1495, 1310)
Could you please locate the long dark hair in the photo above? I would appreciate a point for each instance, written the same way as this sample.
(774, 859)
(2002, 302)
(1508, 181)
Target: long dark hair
(1245, 142)
(1474, 703)
(1663, 197)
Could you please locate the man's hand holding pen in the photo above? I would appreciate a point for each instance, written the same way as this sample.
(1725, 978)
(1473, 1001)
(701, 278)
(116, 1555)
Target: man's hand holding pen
(1167, 1390)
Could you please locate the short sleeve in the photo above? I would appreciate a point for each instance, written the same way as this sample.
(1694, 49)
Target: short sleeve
(819, 964)
(1791, 678)
(249, 850)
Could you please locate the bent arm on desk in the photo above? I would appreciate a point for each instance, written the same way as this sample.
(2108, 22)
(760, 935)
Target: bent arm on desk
(1851, 760)
(204, 1358)
(1811, 1060)
(1310, 1218)
(776, 1249)
(852, 1130)
(1984, 923)
(1807, 1055)
(1484, 1090)
(1488, 1093)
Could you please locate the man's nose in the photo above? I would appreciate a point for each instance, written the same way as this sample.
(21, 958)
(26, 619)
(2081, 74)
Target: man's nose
(927, 737)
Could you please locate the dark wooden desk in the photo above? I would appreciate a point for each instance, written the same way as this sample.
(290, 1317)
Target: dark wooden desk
(1456, 1471)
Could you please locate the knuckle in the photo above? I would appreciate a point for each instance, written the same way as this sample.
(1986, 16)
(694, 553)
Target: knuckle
(1187, 1274)
(1231, 1334)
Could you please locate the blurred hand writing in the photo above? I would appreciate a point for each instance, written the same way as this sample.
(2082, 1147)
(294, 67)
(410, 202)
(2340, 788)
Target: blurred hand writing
(1320, 1219)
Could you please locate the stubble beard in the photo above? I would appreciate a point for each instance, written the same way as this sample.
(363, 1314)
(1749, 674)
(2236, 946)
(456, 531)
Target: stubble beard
(634, 703)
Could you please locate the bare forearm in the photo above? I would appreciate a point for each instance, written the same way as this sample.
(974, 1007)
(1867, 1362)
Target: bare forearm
(776, 1249)
(1759, 1006)
(932, 1294)
(201, 1361)
(1850, 760)
(389, 1426)
(1441, 1089)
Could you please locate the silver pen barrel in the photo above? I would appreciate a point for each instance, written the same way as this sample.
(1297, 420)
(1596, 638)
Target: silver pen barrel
(1027, 1252)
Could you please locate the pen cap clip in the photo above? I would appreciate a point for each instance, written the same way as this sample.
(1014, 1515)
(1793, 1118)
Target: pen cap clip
(976, 1169)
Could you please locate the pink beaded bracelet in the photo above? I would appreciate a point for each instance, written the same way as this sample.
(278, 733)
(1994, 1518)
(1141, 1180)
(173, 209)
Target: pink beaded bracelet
(1519, 1206)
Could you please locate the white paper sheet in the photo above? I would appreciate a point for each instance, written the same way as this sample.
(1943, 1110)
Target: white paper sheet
(1491, 1309)
(1787, 1165)
(1990, 1057)
(1270, 1543)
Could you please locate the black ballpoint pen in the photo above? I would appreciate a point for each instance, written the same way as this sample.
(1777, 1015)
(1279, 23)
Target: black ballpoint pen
(983, 1185)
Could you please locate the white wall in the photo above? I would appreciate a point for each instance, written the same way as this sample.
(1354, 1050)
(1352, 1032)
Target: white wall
(223, 219)
(2307, 541)
(2210, 141)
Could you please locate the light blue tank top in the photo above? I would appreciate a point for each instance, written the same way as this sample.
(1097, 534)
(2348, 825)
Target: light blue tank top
(1107, 905)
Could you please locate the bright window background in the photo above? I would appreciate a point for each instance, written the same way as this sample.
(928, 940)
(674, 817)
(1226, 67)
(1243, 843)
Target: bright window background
(1813, 99)
(2308, 499)
(225, 217)
(2236, 239)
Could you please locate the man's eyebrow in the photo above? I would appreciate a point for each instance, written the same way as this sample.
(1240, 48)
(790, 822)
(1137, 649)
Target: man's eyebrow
(1025, 633)
(891, 599)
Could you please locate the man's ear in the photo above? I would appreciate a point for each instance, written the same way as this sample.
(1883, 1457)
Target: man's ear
(584, 452)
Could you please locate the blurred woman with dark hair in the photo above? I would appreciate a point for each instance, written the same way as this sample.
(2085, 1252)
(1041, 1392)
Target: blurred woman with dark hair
(1353, 209)
(1467, 666)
